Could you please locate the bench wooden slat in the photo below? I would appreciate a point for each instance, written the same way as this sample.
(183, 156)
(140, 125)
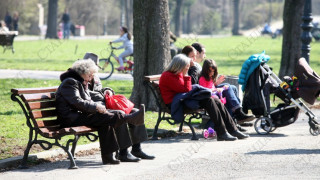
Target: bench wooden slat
(38, 96)
(48, 123)
(33, 90)
(152, 77)
(41, 105)
(57, 132)
(44, 114)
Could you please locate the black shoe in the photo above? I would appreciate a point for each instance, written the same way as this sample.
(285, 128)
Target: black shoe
(242, 117)
(142, 155)
(128, 158)
(246, 124)
(109, 159)
(241, 128)
(239, 135)
(226, 137)
(136, 118)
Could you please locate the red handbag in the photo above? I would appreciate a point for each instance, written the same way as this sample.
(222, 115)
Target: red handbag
(119, 102)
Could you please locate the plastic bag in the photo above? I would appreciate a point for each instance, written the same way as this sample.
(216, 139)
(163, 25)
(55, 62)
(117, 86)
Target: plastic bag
(119, 102)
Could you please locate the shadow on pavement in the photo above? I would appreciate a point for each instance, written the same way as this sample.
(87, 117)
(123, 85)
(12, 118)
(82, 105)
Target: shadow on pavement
(287, 152)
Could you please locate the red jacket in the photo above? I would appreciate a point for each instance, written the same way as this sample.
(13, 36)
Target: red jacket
(171, 84)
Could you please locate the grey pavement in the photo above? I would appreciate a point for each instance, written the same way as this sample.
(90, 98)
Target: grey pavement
(289, 152)
(33, 74)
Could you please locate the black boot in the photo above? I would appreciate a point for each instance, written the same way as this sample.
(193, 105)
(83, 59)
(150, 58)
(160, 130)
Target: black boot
(239, 135)
(226, 137)
(109, 159)
(126, 156)
(242, 117)
(241, 128)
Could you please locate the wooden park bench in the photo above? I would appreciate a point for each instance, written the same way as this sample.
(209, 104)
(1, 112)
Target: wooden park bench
(6, 40)
(152, 82)
(38, 105)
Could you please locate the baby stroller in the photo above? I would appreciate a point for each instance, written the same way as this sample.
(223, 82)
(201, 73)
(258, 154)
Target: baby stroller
(262, 82)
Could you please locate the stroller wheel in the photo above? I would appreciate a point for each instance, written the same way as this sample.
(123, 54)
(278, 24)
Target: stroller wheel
(314, 132)
(263, 125)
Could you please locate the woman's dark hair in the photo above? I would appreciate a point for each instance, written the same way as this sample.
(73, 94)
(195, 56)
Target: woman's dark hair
(187, 50)
(125, 30)
(198, 46)
(206, 70)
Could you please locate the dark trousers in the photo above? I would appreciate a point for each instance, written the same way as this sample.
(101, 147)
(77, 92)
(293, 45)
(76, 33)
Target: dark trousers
(103, 122)
(219, 115)
(134, 135)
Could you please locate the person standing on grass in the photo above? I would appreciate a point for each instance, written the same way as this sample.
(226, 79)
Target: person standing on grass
(66, 24)
(15, 21)
(8, 20)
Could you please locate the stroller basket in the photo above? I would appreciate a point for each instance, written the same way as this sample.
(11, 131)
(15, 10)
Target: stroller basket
(284, 115)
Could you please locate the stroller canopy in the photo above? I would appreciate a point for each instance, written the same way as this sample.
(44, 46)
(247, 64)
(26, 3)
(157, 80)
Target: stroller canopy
(309, 81)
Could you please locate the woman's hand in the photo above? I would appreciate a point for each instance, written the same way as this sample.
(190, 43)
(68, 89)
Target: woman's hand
(185, 70)
(220, 79)
(225, 87)
(191, 63)
(101, 109)
(107, 92)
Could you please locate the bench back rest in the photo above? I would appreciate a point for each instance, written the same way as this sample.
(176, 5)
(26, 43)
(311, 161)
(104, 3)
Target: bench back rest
(39, 104)
(6, 40)
(153, 81)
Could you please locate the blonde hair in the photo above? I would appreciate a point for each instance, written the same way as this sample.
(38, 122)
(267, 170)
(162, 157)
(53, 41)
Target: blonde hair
(84, 67)
(178, 63)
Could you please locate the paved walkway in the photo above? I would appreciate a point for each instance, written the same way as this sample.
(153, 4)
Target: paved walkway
(288, 153)
(4, 73)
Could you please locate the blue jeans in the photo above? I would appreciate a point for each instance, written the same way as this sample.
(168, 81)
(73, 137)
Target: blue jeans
(231, 94)
(66, 30)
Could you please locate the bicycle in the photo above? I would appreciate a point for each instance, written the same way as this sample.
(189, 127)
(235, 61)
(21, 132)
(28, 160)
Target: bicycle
(106, 67)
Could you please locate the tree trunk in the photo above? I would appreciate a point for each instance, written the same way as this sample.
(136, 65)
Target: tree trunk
(52, 19)
(177, 17)
(127, 11)
(224, 15)
(236, 17)
(151, 46)
(291, 43)
(189, 20)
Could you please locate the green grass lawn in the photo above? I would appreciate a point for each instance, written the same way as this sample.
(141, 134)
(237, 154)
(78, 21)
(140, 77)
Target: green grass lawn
(13, 129)
(228, 52)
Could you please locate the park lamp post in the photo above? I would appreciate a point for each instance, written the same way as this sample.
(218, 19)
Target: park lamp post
(306, 26)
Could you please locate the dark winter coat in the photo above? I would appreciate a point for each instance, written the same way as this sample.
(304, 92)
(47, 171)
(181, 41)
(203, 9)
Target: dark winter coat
(73, 99)
(188, 100)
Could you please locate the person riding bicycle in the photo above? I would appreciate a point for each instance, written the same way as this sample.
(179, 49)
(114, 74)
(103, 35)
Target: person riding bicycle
(125, 37)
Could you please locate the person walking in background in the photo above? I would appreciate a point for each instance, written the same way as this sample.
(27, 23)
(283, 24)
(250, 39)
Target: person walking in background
(15, 21)
(66, 24)
(8, 20)
(125, 37)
